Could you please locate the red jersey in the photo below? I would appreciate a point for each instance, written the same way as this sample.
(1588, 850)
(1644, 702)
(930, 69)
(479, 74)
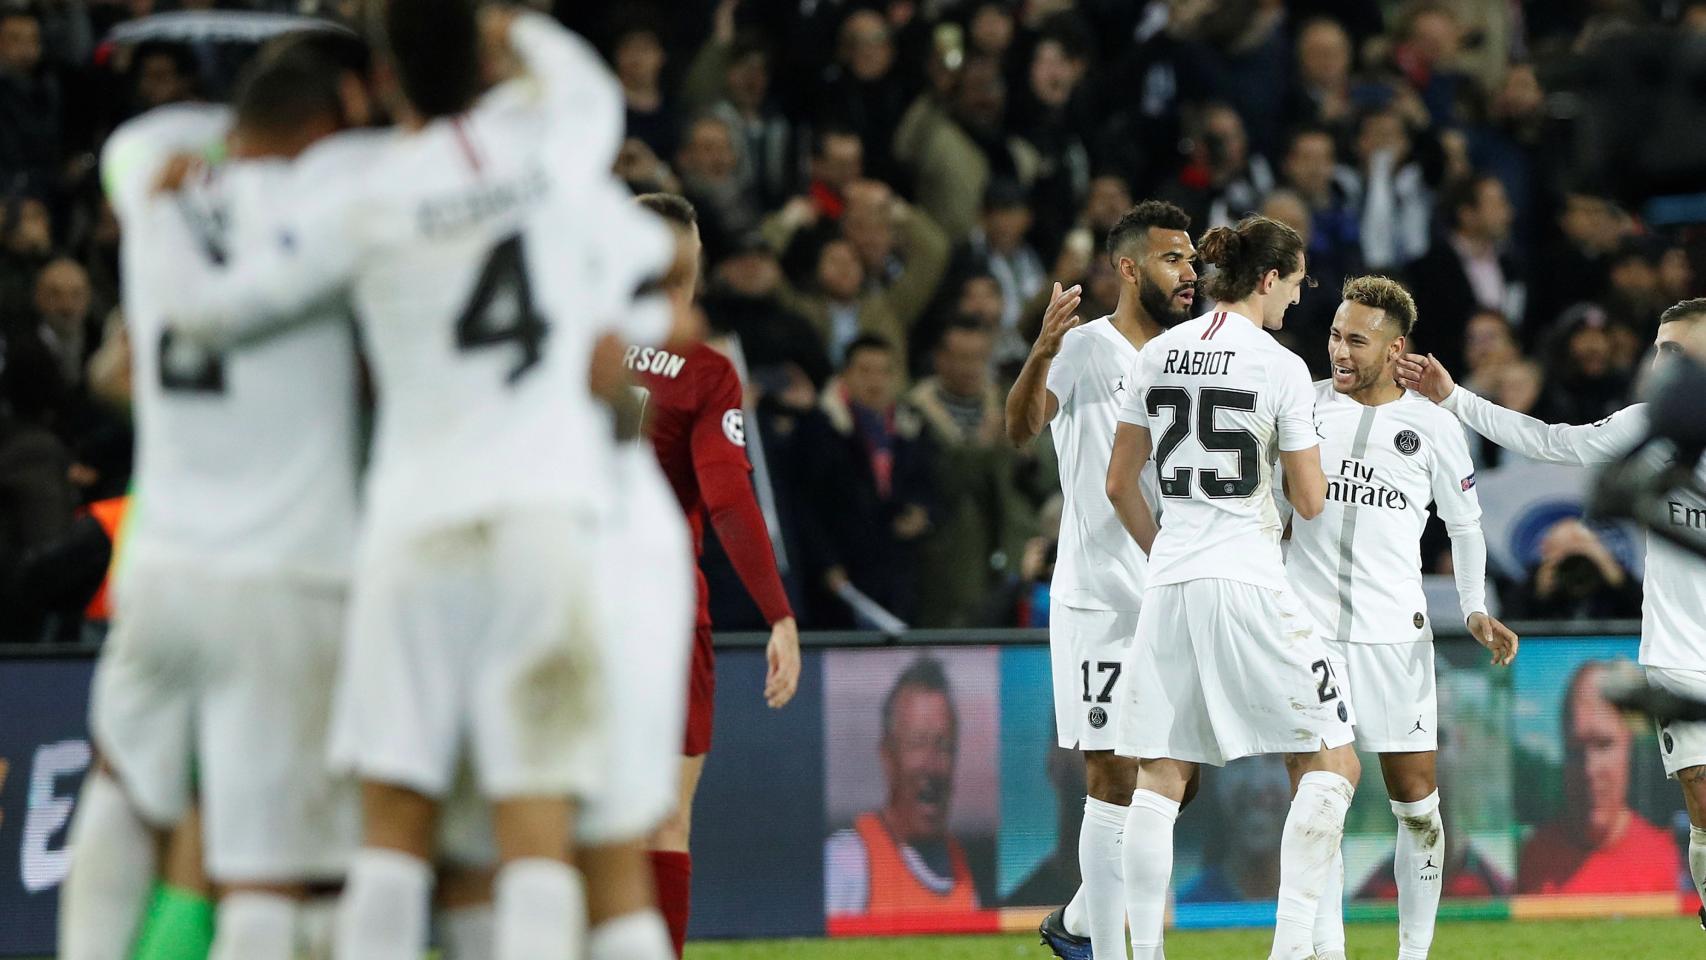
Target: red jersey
(1556, 860)
(693, 413)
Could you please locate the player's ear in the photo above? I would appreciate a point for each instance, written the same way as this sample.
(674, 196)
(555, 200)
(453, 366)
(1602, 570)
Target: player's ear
(1269, 281)
(1127, 269)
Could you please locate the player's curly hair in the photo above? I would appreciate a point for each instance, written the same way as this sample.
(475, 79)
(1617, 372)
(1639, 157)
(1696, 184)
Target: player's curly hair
(1686, 310)
(1135, 224)
(1386, 295)
(1244, 254)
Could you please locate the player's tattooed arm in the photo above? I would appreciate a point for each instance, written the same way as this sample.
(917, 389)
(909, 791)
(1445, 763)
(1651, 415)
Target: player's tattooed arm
(1132, 445)
(1030, 405)
(1499, 639)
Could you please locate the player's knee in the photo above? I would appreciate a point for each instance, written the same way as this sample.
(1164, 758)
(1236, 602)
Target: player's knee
(1110, 777)
(1410, 787)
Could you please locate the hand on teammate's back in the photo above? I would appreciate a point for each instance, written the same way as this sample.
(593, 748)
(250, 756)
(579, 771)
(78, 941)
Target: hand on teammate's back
(1425, 375)
(783, 654)
(1495, 636)
(1058, 318)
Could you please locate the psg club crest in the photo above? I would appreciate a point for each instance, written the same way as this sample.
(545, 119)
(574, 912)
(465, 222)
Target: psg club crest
(1418, 620)
(1098, 718)
(1407, 442)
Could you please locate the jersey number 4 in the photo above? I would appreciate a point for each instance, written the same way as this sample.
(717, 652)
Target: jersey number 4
(501, 309)
(1212, 438)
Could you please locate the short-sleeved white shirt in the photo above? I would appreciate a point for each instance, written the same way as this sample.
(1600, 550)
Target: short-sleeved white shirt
(1357, 566)
(1220, 398)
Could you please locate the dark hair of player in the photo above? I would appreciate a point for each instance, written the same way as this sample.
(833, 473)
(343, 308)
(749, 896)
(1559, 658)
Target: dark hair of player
(673, 207)
(296, 78)
(927, 674)
(1686, 310)
(863, 342)
(1386, 295)
(1134, 225)
(434, 47)
(1245, 253)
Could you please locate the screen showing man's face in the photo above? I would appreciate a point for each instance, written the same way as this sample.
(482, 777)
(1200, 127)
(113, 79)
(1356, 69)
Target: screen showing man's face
(1596, 780)
(918, 762)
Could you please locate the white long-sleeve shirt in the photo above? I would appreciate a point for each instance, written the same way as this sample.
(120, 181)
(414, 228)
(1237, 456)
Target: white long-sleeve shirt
(1673, 609)
(1357, 566)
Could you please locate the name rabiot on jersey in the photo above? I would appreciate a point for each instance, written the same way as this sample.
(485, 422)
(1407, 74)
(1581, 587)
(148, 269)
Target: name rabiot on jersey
(1357, 566)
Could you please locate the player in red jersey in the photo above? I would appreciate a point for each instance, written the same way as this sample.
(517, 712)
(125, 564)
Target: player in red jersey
(693, 414)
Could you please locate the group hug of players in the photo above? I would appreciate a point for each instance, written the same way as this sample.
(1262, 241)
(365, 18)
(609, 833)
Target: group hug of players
(432, 687)
(1184, 630)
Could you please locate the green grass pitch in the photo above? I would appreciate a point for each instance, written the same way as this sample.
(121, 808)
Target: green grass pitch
(1645, 939)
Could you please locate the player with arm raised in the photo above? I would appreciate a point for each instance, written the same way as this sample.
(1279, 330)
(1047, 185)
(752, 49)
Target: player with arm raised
(1228, 662)
(237, 554)
(475, 613)
(1673, 606)
(1387, 454)
(1073, 381)
(693, 412)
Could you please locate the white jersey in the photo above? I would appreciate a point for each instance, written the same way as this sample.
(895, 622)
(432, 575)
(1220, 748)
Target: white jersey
(249, 455)
(1673, 607)
(469, 251)
(1358, 565)
(1220, 397)
(1099, 566)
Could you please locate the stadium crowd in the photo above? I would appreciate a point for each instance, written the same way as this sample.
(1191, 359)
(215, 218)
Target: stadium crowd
(887, 192)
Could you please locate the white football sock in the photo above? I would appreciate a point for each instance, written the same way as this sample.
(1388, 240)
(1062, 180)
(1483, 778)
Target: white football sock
(541, 910)
(1076, 917)
(1330, 913)
(1697, 857)
(1419, 866)
(105, 894)
(1099, 863)
(467, 933)
(314, 919)
(633, 936)
(254, 926)
(383, 915)
(1313, 829)
(1148, 855)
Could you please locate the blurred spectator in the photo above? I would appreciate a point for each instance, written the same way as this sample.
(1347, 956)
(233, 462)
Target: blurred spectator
(731, 78)
(1597, 843)
(639, 58)
(1241, 52)
(1307, 324)
(30, 121)
(1466, 269)
(1488, 348)
(1591, 228)
(997, 246)
(1321, 94)
(26, 242)
(873, 493)
(1222, 180)
(1511, 143)
(863, 91)
(1313, 172)
(1053, 118)
(163, 73)
(709, 166)
(65, 323)
(1583, 381)
(1577, 578)
(1397, 206)
(1633, 298)
(1676, 275)
(1427, 53)
(837, 162)
(990, 29)
(37, 507)
(845, 301)
(953, 146)
(982, 520)
(743, 298)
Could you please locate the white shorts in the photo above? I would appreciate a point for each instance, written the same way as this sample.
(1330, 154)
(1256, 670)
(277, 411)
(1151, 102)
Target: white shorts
(1392, 692)
(1226, 670)
(651, 590)
(1087, 650)
(1681, 744)
(482, 636)
(228, 679)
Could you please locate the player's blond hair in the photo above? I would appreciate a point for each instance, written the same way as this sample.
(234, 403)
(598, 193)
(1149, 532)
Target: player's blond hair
(1386, 295)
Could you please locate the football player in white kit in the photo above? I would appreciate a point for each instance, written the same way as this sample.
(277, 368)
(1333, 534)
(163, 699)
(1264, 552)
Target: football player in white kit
(1073, 382)
(1228, 663)
(231, 594)
(1673, 607)
(1387, 454)
(475, 615)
